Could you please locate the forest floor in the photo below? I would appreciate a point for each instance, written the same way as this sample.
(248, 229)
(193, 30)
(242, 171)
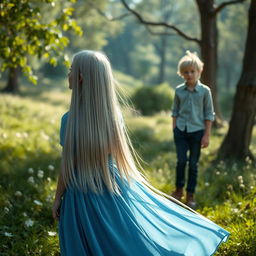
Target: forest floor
(29, 164)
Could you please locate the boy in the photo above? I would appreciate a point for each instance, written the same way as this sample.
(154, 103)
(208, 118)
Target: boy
(192, 115)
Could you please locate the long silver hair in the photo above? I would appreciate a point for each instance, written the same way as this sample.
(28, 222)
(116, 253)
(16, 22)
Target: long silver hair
(95, 132)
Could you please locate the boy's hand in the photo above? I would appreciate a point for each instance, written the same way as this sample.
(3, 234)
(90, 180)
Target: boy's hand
(205, 141)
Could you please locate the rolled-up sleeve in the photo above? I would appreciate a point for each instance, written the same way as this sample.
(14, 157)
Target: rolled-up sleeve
(175, 106)
(208, 106)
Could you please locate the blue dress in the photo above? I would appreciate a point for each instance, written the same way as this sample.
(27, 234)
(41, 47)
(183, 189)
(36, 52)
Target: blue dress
(136, 222)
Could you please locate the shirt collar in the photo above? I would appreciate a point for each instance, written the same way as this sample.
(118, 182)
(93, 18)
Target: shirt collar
(196, 88)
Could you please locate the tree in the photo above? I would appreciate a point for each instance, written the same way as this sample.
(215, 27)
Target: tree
(237, 141)
(208, 12)
(25, 32)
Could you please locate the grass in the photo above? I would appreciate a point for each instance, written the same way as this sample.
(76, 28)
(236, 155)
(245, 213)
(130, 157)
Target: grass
(29, 163)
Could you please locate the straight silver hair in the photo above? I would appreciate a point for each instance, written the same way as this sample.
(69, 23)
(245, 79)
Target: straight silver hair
(95, 130)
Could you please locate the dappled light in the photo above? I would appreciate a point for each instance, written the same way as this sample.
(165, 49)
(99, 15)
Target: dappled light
(144, 41)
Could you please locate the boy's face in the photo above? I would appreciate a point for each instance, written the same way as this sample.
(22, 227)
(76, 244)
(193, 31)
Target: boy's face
(191, 75)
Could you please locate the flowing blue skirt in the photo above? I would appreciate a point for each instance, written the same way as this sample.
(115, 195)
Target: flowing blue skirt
(136, 222)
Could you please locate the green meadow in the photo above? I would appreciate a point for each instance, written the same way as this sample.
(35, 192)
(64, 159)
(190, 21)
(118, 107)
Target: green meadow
(30, 160)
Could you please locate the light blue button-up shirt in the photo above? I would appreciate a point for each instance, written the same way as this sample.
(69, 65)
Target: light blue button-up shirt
(192, 108)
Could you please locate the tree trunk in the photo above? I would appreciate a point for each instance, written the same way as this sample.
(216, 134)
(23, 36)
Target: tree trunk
(209, 38)
(12, 84)
(237, 141)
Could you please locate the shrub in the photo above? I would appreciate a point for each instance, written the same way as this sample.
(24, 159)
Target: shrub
(150, 100)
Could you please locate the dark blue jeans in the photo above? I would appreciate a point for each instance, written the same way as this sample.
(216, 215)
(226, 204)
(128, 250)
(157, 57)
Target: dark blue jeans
(187, 142)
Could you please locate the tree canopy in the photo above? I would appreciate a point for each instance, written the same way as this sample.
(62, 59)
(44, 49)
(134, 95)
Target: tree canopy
(24, 32)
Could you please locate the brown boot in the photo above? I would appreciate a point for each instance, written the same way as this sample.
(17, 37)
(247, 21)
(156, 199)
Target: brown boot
(190, 200)
(178, 193)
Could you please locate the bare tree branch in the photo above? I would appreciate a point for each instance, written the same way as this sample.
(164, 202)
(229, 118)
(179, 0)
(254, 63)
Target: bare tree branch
(109, 17)
(224, 4)
(159, 24)
(158, 33)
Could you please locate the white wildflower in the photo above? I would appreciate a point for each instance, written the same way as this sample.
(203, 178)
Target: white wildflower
(230, 187)
(29, 223)
(18, 193)
(51, 167)
(6, 210)
(242, 186)
(207, 184)
(24, 214)
(52, 233)
(18, 135)
(217, 173)
(160, 171)
(240, 179)
(31, 180)
(235, 210)
(37, 202)
(49, 179)
(40, 174)
(8, 203)
(30, 170)
(25, 134)
(8, 234)
(44, 135)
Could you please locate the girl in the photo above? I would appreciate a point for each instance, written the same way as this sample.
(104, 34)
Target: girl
(106, 206)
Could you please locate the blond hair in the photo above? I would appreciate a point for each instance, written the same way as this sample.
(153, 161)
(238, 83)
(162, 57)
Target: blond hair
(189, 60)
(94, 130)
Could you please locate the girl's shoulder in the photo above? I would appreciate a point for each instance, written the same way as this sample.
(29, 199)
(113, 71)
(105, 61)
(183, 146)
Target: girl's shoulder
(64, 117)
(63, 125)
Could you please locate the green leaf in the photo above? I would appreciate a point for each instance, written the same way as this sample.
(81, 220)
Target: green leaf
(68, 11)
(53, 61)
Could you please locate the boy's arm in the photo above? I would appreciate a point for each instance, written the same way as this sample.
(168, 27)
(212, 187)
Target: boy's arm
(209, 118)
(206, 138)
(174, 118)
(208, 106)
(175, 108)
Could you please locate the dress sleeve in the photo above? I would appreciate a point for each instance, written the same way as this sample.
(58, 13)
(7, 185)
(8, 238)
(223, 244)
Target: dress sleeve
(63, 126)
